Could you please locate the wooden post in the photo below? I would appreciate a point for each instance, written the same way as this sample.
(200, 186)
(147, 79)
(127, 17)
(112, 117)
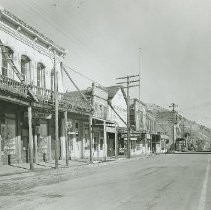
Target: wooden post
(0, 150)
(35, 146)
(116, 144)
(66, 138)
(128, 118)
(49, 140)
(19, 149)
(30, 138)
(104, 141)
(90, 140)
(56, 113)
(146, 143)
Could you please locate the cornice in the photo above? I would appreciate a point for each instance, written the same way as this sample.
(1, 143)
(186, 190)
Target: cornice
(23, 26)
(25, 40)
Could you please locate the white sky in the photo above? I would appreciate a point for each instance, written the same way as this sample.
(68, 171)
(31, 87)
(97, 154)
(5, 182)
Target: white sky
(103, 36)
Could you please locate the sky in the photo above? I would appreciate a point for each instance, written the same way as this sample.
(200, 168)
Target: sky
(103, 37)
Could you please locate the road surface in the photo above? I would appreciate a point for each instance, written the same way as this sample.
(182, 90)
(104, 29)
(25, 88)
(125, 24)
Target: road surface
(174, 181)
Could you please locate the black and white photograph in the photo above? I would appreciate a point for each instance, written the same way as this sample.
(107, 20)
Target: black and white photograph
(105, 105)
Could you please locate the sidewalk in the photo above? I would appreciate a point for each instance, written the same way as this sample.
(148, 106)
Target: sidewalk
(6, 170)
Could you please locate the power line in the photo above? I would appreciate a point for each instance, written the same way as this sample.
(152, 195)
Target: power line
(79, 73)
(127, 81)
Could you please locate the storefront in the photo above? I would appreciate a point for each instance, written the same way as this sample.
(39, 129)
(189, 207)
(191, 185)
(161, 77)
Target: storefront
(78, 136)
(98, 141)
(10, 133)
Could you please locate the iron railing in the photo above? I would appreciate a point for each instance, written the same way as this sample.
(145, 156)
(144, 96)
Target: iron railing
(13, 86)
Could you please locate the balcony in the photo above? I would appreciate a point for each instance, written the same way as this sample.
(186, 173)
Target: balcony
(44, 96)
(13, 87)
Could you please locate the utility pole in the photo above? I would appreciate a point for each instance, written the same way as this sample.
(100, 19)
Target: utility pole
(173, 106)
(66, 139)
(56, 113)
(139, 95)
(128, 86)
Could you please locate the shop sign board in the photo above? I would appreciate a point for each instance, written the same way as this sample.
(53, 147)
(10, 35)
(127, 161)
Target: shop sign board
(39, 115)
(110, 129)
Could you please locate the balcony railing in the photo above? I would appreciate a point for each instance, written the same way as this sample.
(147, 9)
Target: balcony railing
(12, 86)
(42, 94)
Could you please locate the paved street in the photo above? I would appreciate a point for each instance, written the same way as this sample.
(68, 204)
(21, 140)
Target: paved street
(158, 182)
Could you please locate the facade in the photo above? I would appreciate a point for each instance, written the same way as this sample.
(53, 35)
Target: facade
(27, 92)
(108, 117)
(168, 124)
(96, 123)
(138, 121)
(143, 122)
(117, 115)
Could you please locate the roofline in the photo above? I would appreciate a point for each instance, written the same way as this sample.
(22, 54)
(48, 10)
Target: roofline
(136, 99)
(9, 16)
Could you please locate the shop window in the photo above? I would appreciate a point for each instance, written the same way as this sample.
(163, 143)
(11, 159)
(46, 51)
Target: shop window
(6, 67)
(101, 144)
(86, 136)
(77, 131)
(25, 68)
(95, 143)
(8, 133)
(3, 133)
(41, 75)
(133, 144)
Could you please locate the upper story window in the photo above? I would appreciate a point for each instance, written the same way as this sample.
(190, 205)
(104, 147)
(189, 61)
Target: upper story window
(25, 68)
(41, 75)
(6, 67)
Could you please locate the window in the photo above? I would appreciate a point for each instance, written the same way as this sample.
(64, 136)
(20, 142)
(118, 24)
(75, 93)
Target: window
(86, 136)
(25, 68)
(101, 144)
(41, 75)
(77, 131)
(6, 67)
(95, 143)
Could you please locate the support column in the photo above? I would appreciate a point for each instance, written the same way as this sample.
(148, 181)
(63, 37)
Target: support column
(104, 141)
(116, 144)
(49, 140)
(66, 138)
(49, 149)
(63, 139)
(82, 139)
(35, 146)
(146, 144)
(19, 137)
(151, 144)
(30, 138)
(0, 150)
(90, 140)
(56, 113)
